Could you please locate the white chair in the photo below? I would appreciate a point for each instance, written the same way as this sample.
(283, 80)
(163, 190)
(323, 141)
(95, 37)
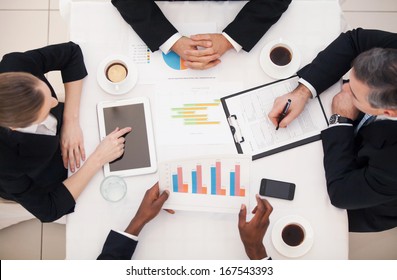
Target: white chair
(12, 213)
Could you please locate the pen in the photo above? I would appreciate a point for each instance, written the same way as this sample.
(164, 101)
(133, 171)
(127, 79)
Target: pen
(284, 113)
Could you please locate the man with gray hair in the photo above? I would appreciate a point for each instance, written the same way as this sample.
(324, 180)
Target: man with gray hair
(360, 145)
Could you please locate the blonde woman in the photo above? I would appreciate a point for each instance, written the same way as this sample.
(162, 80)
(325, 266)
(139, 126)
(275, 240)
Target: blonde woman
(40, 137)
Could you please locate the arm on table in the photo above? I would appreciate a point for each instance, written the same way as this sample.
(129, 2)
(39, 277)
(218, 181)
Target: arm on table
(119, 246)
(329, 66)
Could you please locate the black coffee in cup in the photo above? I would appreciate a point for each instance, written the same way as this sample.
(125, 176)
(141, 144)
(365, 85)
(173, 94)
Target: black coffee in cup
(293, 235)
(116, 72)
(280, 56)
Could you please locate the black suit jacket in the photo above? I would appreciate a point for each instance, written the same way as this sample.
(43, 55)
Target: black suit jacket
(251, 23)
(361, 171)
(31, 167)
(117, 247)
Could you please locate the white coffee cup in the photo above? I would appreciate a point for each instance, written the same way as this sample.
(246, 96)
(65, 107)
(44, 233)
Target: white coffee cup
(293, 234)
(116, 73)
(280, 55)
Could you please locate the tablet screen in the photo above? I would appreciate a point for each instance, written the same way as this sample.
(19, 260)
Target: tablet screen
(136, 153)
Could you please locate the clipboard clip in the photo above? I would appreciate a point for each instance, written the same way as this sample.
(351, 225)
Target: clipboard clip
(235, 128)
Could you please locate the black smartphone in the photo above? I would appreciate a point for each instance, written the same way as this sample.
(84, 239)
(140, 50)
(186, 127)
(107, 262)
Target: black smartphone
(278, 189)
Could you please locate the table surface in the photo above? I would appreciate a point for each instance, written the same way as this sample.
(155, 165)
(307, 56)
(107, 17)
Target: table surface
(100, 31)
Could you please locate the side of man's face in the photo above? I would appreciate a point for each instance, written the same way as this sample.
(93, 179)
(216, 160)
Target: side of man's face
(359, 92)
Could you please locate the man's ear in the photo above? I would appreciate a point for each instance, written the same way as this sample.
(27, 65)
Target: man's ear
(390, 113)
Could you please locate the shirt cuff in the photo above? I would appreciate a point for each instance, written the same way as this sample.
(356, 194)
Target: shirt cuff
(309, 86)
(235, 45)
(340, 124)
(133, 237)
(167, 45)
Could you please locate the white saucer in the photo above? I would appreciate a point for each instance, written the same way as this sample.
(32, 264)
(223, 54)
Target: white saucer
(279, 72)
(127, 85)
(286, 250)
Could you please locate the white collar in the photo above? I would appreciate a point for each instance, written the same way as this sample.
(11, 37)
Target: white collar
(50, 127)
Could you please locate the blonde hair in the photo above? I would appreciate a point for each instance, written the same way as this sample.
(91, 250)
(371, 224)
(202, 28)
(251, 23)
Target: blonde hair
(20, 99)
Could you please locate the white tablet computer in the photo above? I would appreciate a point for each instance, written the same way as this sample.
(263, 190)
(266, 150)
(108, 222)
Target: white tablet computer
(139, 156)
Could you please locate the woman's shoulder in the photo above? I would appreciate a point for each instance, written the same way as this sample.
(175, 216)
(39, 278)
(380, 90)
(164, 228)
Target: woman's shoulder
(16, 62)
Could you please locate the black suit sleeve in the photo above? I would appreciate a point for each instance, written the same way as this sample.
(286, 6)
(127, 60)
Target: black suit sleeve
(117, 247)
(254, 20)
(335, 60)
(147, 20)
(352, 184)
(251, 23)
(65, 57)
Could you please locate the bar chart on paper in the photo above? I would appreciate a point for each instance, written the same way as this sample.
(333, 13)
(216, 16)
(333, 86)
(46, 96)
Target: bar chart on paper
(196, 113)
(192, 114)
(207, 184)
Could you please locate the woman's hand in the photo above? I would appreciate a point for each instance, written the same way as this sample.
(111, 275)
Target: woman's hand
(72, 145)
(112, 147)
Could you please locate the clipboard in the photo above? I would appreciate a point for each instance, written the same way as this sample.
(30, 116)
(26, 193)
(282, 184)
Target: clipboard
(251, 129)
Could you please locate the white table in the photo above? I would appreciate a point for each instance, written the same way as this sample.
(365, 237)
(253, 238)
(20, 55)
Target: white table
(100, 31)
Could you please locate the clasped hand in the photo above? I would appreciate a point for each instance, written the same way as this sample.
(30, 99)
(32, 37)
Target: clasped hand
(202, 51)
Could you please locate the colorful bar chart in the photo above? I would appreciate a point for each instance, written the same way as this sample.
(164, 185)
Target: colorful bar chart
(177, 182)
(195, 113)
(174, 61)
(215, 184)
(197, 181)
(196, 185)
(235, 188)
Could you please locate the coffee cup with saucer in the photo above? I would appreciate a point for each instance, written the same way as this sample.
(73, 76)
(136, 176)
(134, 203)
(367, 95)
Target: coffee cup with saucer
(292, 236)
(280, 59)
(117, 74)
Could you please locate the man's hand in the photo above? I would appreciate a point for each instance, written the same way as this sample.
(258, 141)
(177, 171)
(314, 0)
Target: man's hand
(186, 44)
(299, 98)
(150, 206)
(217, 45)
(253, 232)
(342, 104)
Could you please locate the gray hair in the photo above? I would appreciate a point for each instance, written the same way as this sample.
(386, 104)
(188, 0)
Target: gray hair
(377, 68)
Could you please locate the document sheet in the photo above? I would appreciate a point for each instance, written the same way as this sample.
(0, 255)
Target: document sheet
(254, 133)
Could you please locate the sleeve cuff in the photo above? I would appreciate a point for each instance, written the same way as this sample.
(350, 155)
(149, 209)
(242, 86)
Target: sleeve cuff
(235, 45)
(309, 86)
(126, 234)
(167, 45)
(340, 124)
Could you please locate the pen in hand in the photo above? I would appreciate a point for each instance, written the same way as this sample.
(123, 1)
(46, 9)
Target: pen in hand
(284, 113)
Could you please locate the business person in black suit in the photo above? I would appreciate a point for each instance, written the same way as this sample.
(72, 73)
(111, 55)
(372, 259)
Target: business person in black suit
(40, 137)
(121, 245)
(359, 155)
(251, 23)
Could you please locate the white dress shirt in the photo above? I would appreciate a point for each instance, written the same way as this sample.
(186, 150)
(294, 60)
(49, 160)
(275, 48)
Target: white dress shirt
(47, 127)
